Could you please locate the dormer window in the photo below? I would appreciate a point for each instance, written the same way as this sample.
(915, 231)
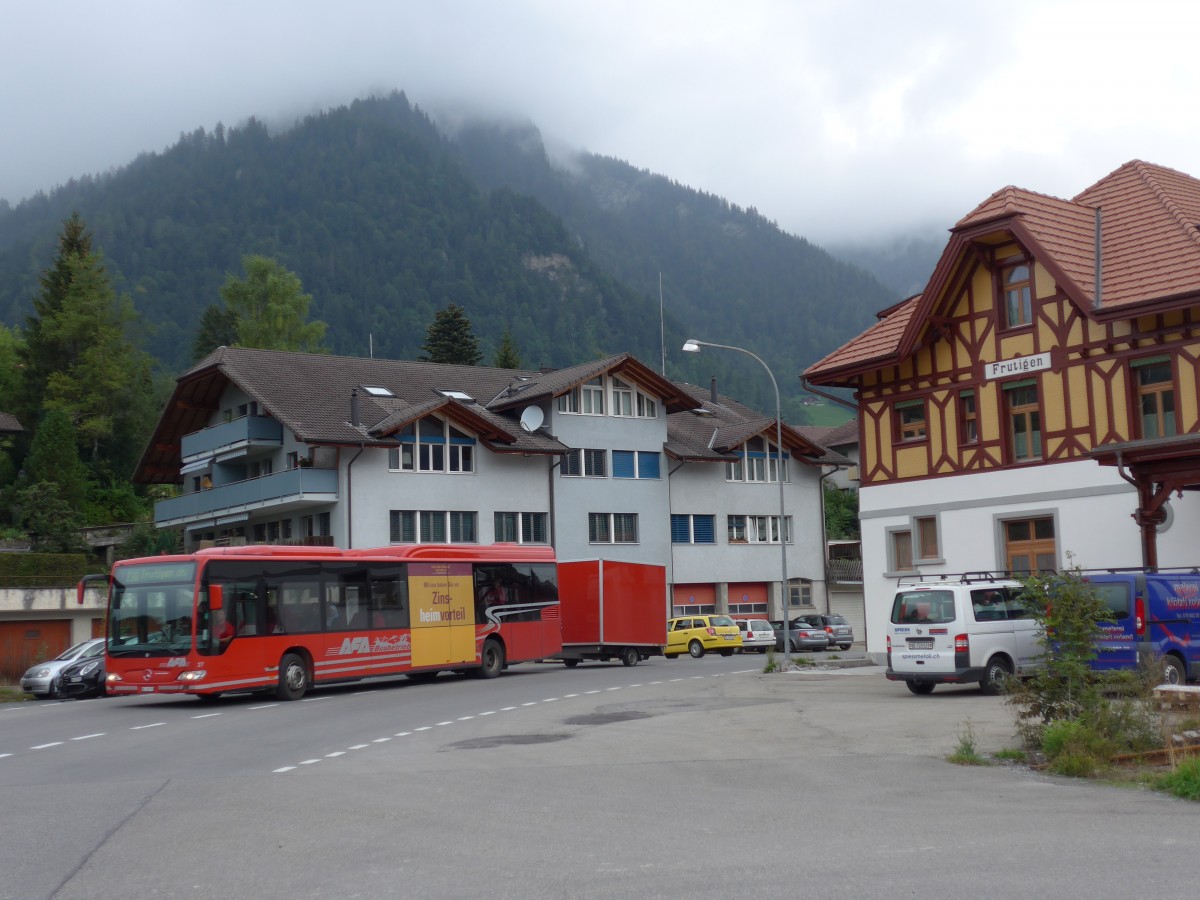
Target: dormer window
(1018, 295)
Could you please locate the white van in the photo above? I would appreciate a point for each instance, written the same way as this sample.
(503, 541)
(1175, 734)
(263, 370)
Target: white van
(960, 631)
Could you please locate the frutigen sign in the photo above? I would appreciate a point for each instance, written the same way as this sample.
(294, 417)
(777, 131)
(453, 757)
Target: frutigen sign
(1019, 365)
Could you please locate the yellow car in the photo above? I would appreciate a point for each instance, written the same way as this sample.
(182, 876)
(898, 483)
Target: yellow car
(697, 635)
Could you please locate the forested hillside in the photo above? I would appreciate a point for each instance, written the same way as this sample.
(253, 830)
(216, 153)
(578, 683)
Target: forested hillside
(386, 220)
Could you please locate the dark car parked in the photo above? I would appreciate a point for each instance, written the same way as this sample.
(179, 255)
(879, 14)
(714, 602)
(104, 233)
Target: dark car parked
(801, 636)
(82, 678)
(841, 632)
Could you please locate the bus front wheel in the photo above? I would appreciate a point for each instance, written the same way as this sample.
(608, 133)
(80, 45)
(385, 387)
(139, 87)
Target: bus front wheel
(493, 660)
(293, 678)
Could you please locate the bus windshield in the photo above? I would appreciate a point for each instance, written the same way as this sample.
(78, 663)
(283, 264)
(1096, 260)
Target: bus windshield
(151, 609)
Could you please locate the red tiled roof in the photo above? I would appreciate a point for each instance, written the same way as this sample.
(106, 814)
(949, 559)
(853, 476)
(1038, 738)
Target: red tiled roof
(1149, 255)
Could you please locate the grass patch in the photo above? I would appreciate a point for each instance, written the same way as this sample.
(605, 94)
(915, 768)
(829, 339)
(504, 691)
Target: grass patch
(1012, 754)
(1183, 782)
(967, 751)
(10, 694)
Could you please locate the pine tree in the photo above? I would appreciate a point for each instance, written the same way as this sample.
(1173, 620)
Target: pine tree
(218, 328)
(42, 352)
(271, 308)
(507, 354)
(449, 339)
(54, 459)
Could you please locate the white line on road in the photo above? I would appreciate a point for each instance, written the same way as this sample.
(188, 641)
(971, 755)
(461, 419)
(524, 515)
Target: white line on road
(151, 725)
(44, 746)
(284, 769)
(84, 737)
(205, 715)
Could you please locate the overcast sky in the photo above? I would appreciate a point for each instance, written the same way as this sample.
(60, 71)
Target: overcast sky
(836, 118)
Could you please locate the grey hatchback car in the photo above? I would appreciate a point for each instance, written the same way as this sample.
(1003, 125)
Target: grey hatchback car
(39, 679)
(841, 632)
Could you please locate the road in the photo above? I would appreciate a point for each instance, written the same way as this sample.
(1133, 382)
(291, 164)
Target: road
(696, 778)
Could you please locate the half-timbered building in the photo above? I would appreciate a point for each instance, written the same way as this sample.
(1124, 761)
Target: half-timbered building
(1037, 406)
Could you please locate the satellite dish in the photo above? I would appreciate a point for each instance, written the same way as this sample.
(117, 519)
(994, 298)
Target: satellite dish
(531, 418)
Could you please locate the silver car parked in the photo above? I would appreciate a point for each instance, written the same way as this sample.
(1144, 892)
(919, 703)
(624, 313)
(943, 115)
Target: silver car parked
(39, 679)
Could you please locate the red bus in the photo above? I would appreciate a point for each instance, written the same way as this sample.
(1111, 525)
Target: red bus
(283, 619)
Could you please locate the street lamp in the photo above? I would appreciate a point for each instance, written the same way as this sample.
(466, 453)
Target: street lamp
(691, 345)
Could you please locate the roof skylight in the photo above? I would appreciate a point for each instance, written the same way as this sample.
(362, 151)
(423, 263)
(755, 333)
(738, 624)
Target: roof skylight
(376, 391)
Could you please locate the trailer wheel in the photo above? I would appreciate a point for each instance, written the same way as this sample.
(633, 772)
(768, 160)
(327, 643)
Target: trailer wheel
(570, 663)
(696, 649)
(630, 656)
(920, 687)
(293, 678)
(493, 659)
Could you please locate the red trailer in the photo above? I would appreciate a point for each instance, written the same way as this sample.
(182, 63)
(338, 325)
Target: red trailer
(612, 610)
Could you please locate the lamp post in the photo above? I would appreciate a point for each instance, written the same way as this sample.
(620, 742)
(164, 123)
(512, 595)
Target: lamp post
(691, 345)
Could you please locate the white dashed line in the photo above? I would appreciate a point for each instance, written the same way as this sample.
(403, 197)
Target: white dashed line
(86, 737)
(264, 706)
(151, 725)
(5, 755)
(423, 728)
(529, 704)
(507, 708)
(44, 746)
(465, 718)
(284, 769)
(439, 724)
(380, 740)
(402, 734)
(315, 699)
(334, 754)
(205, 715)
(490, 712)
(360, 746)
(309, 762)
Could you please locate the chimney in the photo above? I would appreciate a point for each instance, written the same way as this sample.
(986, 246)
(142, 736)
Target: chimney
(354, 407)
(712, 390)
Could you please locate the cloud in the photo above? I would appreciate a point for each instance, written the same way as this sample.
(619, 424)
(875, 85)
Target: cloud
(836, 119)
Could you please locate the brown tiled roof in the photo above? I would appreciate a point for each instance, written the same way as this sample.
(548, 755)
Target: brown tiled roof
(9, 424)
(878, 343)
(714, 428)
(537, 386)
(310, 395)
(1150, 256)
(831, 436)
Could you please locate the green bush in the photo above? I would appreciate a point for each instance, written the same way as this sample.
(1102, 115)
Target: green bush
(42, 569)
(1184, 781)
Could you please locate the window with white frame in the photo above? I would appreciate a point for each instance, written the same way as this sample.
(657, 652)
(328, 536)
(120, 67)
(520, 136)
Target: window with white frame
(432, 445)
(693, 528)
(747, 529)
(625, 399)
(411, 526)
(522, 527)
(635, 464)
(612, 528)
(622, 396)
(585, 463)
(591, 397)
(758, 461)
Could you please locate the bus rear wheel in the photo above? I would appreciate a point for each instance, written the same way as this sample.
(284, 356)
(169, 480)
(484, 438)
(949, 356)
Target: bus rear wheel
(293, 678)
(493, 660)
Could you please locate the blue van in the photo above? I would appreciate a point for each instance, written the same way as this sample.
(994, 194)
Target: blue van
(1153, 613)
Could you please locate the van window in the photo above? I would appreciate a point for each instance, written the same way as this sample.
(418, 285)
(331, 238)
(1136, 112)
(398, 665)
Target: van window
(989, 605)
(1115, 597)
(923, 608)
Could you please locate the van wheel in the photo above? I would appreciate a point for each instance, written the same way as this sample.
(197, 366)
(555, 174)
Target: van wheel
(570, 663)
(1173, 672)
(293, 678)
(630, 656)
(696, 649)
(671, 655)
(995, 677)
(920, 687)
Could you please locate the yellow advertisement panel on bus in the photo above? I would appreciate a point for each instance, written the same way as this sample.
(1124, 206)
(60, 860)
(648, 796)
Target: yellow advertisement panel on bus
(442, 601)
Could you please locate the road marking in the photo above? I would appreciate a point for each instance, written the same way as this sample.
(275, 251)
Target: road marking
(335, 753)
(402, 734)
(529, 704)
(507, 708)
(3, 755)
(617, 688)
(44, 746)
(264, 706)
(284, 769)
(569, 696)
(380, 740)
(423, 728)
(549, 699)
(314, 699)
(84, 737)
(465, 718)
(151, 725)
(309, 762)
(206, 716)
(490, 712)
(445, 723)
(360, 746)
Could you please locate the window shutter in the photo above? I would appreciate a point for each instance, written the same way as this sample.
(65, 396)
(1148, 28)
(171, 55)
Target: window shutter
(680, 533)
(623, 464)
(704, 529)
(647, 464)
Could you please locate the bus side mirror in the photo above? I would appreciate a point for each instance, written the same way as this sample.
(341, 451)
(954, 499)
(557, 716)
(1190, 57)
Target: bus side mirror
(81, 588)
(216, 599)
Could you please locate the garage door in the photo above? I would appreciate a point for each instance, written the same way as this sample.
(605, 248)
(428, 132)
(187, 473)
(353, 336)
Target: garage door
(850, 605)
(24, 643)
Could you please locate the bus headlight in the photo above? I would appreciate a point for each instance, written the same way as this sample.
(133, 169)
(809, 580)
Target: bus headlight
(112, 678)
(192, 675)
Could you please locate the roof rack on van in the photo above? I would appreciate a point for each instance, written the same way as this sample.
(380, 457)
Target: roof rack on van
(959, 578)
(1147, 570)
